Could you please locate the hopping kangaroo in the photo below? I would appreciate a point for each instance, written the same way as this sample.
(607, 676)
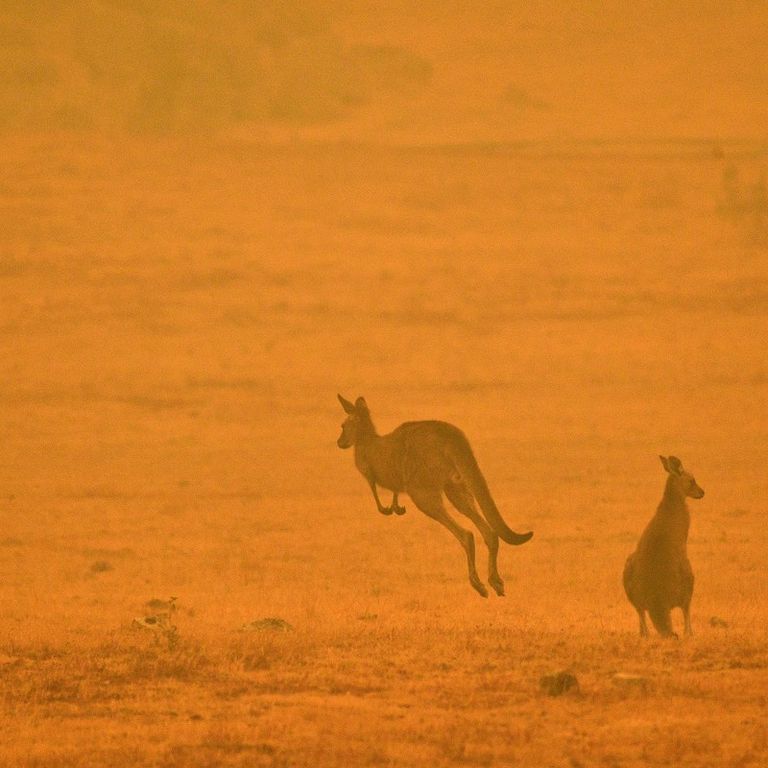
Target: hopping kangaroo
(426, 459)
(658, 575)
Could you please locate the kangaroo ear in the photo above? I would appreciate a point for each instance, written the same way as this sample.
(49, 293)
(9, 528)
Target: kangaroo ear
(664, 461)
(346, 405)
(675, 465)
(360, 404)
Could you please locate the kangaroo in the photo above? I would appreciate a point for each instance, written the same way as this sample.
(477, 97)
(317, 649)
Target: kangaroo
(658, 575)
(426, 459)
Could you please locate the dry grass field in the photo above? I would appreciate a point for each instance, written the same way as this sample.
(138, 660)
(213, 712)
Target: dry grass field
(545, 223)
(178, 317)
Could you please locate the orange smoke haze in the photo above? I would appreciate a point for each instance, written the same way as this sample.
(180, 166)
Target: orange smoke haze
(545, 223)
(396, 72)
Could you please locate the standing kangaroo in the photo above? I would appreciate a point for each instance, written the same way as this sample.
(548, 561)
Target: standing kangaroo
(658, 575)
(426, 459)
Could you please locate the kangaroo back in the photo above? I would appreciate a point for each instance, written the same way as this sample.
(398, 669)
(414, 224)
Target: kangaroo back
(465, 461)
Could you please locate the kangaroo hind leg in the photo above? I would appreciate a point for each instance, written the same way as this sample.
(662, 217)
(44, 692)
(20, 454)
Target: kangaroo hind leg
(461, 498)
(643, 625)
(687, 618)
(430, 502)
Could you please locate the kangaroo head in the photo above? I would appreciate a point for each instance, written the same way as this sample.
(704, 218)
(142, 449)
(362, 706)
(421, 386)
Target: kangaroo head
(685, 481)
(358, 420)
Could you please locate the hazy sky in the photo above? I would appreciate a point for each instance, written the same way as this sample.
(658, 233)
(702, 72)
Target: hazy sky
(401, 71)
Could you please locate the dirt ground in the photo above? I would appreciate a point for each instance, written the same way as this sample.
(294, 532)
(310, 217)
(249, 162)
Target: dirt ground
(177, 319)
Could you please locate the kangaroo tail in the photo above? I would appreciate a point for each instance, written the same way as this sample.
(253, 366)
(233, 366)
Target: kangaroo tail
(661, 620)
(470, 473)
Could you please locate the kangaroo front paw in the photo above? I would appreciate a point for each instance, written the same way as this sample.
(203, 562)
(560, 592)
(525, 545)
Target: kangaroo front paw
(385, 510)
(498, 585)
(479, 587)
(398, 510)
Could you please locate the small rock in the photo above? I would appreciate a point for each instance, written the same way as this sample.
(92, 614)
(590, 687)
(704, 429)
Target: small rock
(716, 621)
(270, 624)
(146, 622)
(559, 683)
(368, 617)
(102, 566)
(158, 623)
(628, 680)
